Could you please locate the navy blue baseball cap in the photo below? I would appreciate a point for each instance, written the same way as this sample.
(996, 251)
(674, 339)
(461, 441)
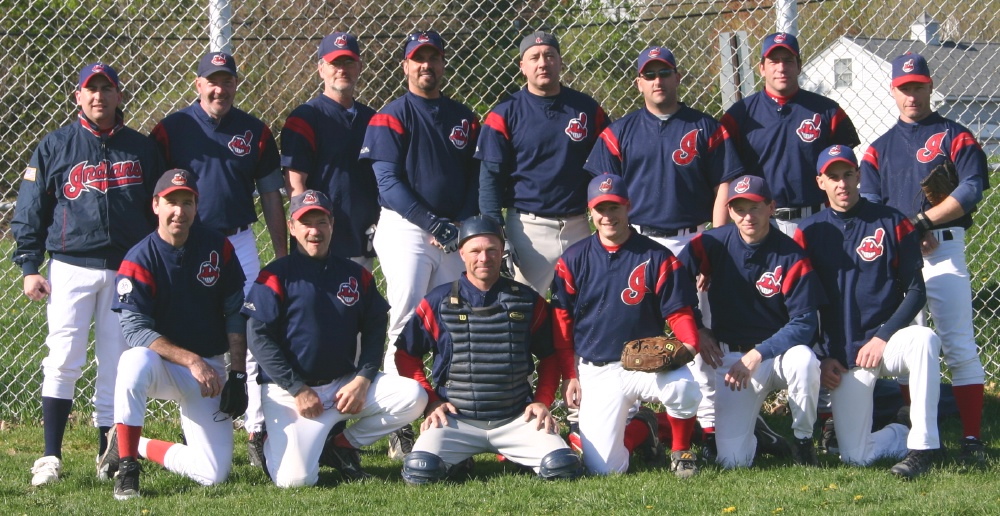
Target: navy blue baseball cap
(910, 68)
(779, 40)
(606, 188)
(418, 40)
(661, 54)
(217, 62)
(339, 44)
(833, 154)
(749, 187)
(176, 179)
(539, 38)
(307, 201)
(88, 72)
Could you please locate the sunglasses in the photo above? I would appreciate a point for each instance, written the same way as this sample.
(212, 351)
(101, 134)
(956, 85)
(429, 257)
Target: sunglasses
(662, 73)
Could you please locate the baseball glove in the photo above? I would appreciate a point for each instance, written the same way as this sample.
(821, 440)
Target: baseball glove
(234, 395)
(655, 354)
(939, 184)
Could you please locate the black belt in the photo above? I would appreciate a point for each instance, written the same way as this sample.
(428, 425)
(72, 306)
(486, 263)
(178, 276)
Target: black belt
(319, 383)
(584, 361)
(943, 235)
(539, 215)
(231, 232)
(795, 213)
(666, 233)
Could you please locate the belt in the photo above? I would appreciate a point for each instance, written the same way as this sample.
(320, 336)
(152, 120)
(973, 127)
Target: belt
(539, 215)
(796, 213)
(318, 383)
(943, 235)
(584, 361)
(735, 347)
(231, 232)
(667, 233)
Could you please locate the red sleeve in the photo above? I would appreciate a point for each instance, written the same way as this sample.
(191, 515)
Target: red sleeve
(562, 341)
(548, 380)
(413, 367)
(684, 328)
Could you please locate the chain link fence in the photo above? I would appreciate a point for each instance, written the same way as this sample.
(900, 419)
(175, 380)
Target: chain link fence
(155, 46)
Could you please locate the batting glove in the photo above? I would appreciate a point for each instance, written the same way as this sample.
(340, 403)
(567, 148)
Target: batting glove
(446, 234)
(234, 397)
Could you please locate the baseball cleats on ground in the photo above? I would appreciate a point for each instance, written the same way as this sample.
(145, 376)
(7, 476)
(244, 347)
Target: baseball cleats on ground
(903, 416)
(463, 470)
(46, 470)
(401, 442)
(973, 452)
(769, 442)
(916, 463)
(255, 449)
(803, 452)
(127, 479)
(683, 463)
(107, 463)
(346, 460)
(829, 439)
(709, 450)
(649, 449)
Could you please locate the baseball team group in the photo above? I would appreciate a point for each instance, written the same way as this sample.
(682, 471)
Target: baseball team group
(776, 257)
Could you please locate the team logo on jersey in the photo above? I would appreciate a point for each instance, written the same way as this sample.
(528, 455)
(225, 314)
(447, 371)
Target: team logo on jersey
(124, 288)
(348, 293)
(769, 283)
(101, 177)
(871, 246)
(743, 185)
(636, 285)
(809, 130)
(577, 128)
(689, 149)
(908, 66)
(219, 60)
(460, 135)
(250, 306)
(341, 41)
(240, 144)
(208, 273)
(30, 173)
(932, 148)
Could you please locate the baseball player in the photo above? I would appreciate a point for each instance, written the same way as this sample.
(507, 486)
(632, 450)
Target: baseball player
(180, 290)
(867, 256)
(780, 131)
(612, 287)
(84, 198)
(306, 311)
(677, 163)
(421, 147)
(320, 142)
(764, 295)
(892, 169)
(231, 152)
(533, 147)
(482, 330)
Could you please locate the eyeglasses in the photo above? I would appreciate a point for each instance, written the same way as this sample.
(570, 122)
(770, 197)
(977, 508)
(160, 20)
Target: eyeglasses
(662, 73)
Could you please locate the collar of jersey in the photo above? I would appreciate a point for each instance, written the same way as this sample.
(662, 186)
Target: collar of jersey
(92, 128)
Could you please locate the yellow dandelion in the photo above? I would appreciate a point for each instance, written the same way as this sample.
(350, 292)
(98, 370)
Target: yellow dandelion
(804, 488)
(777, 510)
(858, 497)
(729, 509)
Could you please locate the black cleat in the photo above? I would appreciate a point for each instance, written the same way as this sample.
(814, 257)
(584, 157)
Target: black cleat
(401, 442)
(107, 463)
(829, 439)
(803, 452)
(255, 449)
(650, 449)
(684, 463)
(709, 450)
(127, 479)
(973, 452)
(916, 463)
(346, 460)
(769, 442)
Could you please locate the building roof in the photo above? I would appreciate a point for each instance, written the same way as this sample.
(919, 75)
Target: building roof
(961, 71)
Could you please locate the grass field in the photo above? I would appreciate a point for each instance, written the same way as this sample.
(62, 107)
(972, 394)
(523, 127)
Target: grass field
(771, 487)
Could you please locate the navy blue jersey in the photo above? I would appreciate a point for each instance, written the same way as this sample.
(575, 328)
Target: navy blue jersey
(314, 310)
(606, 297)
(781, 142)
(85, 194)
(226, 158)
(182, 290)
(433, 141)
(322, 139)
(865, 258)
(542, 144)
(671, 167)
(426, 332)
(897, 161)
(755, 289)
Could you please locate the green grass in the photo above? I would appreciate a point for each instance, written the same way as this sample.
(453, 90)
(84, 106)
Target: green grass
(771, 487)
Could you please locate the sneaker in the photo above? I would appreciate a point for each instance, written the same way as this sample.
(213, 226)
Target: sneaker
(46, 470)
(916, 463)
(769, 442)
(649, 449)
(829, 440)
(683, 463)
(127, 479)
(107, 463)
(803, 452)
(255, 449)
(401, 442)
(346, 460)
(973, 452)
(709, 450)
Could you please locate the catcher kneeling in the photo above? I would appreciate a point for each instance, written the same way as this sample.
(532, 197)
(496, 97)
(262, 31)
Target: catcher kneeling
(615, 286)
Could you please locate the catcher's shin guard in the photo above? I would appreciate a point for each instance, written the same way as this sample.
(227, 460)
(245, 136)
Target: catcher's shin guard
(422, 467)
(561, 463)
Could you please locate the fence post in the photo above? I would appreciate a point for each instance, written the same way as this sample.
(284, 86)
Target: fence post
(220, 27)
(787, 16)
